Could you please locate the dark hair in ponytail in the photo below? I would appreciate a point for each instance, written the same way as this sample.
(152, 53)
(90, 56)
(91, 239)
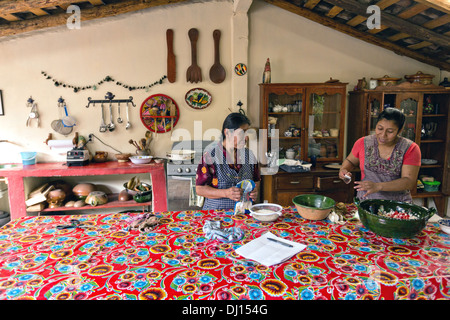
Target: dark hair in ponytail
(234, 121)
(393, 114)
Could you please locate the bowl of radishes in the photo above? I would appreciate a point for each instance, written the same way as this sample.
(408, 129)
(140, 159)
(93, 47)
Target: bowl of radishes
(393, 219)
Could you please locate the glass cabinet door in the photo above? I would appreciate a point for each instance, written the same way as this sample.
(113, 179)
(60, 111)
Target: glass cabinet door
(408, 105)
(284, 114)
(324, 125)
(375, 108)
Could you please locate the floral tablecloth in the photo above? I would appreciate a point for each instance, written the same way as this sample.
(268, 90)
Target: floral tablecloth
(176, 261)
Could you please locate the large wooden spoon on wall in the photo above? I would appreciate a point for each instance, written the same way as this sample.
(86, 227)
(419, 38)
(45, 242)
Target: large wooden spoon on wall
(193, 73)
(217, 72)
(171, 66)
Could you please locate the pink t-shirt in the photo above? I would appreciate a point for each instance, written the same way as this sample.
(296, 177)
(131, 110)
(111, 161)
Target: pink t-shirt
(412, 155)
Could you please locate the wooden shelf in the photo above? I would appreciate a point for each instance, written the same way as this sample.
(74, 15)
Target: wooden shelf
(17, 174)
(284, 113)
(432, 141)
(426, 194)
(113, 202)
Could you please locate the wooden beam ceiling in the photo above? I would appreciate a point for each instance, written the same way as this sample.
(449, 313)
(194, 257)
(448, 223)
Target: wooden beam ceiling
(365, 36)
(18, 26)
(401, 25)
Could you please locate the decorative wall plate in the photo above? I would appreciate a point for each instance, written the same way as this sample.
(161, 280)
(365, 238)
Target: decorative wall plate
(240, 69)
(198, 98)
(159, 113)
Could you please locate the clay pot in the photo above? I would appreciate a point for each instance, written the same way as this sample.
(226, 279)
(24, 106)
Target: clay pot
(123, 195)
(55, 198)
(96, 198)
(420, 77)
(387, 81)
(101, 156)
(82, 190)
(122, 157)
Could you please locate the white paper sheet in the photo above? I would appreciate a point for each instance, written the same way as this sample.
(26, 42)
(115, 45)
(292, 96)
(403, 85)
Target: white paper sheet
(269, 252)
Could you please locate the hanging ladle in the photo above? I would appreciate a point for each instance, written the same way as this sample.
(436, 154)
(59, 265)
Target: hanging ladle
(119, 119)
(111, 125)
(128, 126)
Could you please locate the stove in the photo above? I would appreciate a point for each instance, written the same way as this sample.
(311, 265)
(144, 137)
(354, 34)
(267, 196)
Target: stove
(181, 177)
(187, 167)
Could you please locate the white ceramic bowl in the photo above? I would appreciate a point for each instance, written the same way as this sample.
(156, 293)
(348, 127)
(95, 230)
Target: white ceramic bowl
(266, 212)
(444, 224)
(141, 159)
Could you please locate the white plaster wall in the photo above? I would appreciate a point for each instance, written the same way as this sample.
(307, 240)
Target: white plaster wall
(132, 49)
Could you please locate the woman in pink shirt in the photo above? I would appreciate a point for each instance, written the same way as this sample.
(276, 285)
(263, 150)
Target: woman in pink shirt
(389, 163)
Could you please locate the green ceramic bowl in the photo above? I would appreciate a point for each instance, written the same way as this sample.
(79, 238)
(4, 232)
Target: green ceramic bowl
(141, 197)
(390, 227)
(313, 206)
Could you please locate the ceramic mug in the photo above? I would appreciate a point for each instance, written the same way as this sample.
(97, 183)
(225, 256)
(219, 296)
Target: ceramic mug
(290, 154)
(334, 132)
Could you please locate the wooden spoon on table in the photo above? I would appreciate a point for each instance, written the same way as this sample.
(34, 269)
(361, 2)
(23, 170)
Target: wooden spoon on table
(193, 73)
(217, 72)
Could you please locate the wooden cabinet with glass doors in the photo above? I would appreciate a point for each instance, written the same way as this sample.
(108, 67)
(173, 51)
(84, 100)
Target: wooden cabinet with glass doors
(306, 117)
(427, 123)
(309, 119)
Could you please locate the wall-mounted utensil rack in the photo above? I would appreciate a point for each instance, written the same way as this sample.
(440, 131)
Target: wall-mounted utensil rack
(109, 98)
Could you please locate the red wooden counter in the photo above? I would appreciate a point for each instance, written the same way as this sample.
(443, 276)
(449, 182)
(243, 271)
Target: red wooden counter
(16, 174)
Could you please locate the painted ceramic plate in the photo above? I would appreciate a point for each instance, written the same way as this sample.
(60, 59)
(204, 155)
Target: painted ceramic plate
(198, 98)
(429, 161)
(240, 69)
(159, 113)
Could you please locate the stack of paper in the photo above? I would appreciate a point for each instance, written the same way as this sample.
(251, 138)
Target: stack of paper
(270, 249)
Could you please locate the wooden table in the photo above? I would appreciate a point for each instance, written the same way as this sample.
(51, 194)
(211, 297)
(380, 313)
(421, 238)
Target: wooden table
(15, 177)
(177, 261)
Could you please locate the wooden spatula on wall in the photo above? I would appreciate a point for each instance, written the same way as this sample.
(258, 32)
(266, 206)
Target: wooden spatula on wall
(171, 66)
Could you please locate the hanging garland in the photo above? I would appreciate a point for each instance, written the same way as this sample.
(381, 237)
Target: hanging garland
(58, 83)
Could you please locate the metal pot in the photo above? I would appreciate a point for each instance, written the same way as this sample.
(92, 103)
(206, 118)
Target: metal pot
(181, 155)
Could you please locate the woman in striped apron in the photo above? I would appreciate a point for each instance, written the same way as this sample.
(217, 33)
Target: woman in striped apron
(226, 163)
(389, 163)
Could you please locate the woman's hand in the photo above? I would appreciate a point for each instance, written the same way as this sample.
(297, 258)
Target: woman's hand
(368, 186)
(344, 173)
(254, 194)
(234, 193)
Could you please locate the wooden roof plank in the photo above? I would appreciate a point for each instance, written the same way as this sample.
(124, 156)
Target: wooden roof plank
(14, 6)
(334, 12)
(310, 4)
(39, 12)
(441, 5)
(412, 11)
(419, 45)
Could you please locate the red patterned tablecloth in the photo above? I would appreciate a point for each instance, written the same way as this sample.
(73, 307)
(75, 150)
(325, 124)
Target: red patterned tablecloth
(176, 261)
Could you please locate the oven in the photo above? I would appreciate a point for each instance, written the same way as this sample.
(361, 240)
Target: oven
(181, 193)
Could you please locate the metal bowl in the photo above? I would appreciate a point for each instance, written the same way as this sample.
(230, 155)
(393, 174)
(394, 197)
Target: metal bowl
(142, 188)
(391, 227)
(313, 206)
(444, 224)
(266, 212)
